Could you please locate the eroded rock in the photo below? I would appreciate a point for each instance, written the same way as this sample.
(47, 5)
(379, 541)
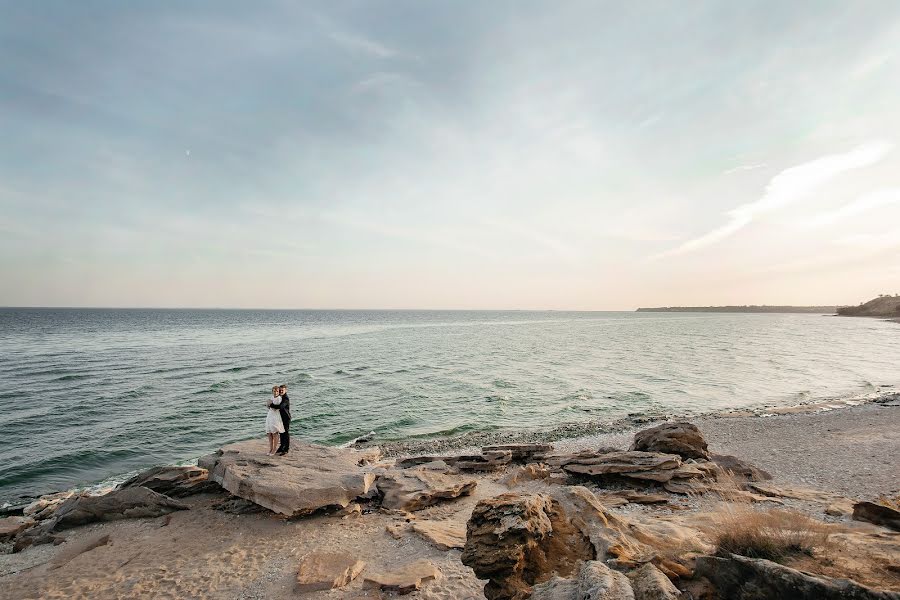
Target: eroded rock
(649, 583)
(877, 514)
(415, 488)
(651, 466)
(516, 541)
(327, 570)
(175, 482)
(681, 438)
(520, 452)
(308, 479)
(741, 578)
(130, 503)
(11, 526)
(404, 580)
(594, 581)
(45, 506)
(741, 470)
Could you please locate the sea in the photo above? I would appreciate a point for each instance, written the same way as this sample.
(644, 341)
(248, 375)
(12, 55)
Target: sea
(88, 396)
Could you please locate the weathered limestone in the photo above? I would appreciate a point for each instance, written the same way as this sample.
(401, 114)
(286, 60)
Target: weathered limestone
(130, 503)
(520, 452)
(175, 482)
(45, 506)
(649, 583)
(878, 514)
(523, 474)
(308, 479)
(414, 489)
(742, 578)
(741, 470)
(681, 438)
(516, 541)
(404, 580)
(326, 571)
(594, 581)
(633, 464)
(11, 526)
(443, 534)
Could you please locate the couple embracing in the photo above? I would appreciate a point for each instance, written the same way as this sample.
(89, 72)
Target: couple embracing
(278, 421)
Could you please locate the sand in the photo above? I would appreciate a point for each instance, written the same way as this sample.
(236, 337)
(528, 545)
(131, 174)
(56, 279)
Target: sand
(204, 553)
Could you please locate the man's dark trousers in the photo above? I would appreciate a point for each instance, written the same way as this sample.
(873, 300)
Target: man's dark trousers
(285, 438)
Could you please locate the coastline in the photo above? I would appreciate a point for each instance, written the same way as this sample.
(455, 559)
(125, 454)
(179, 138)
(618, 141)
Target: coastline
(820, 458)
(574, 435)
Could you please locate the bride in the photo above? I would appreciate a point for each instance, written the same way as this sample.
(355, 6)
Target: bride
(274, 426)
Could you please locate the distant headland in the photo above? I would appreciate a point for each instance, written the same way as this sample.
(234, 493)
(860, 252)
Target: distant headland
(750, 308)
(882, 306)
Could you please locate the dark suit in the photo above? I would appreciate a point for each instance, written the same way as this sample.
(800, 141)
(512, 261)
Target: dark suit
(285, 409)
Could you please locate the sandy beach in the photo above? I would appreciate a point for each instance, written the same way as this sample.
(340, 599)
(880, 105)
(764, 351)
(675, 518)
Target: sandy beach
(209, 553)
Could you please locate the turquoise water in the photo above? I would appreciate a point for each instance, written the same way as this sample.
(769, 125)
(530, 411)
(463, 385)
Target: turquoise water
(89, 394)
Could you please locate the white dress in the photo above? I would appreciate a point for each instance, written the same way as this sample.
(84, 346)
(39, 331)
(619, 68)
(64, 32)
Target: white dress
(273, 419)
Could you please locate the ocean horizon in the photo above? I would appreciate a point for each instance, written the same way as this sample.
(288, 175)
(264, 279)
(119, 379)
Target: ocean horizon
(89, 394)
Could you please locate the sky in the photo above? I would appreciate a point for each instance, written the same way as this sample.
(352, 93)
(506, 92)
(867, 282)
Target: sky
(456, 155)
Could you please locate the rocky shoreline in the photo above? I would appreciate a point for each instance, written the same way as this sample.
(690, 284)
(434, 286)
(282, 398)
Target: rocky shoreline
(665, 511)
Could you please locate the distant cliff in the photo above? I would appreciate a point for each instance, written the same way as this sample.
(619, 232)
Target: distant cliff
(882, 306)
(752, 308)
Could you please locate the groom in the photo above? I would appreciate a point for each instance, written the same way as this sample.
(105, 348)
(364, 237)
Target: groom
(285, 409)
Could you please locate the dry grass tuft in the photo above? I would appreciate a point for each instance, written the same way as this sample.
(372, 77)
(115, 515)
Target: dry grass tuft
(772, 534)
(889, 502)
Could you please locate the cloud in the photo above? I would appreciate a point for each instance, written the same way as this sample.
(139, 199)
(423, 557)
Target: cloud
(789, 186)
(743, 168)
(864, 203)
(362, 44)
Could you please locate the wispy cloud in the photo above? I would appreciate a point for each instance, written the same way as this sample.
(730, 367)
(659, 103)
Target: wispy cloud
(743, 168)
(864, 203)
(364, 45)
(789, 186)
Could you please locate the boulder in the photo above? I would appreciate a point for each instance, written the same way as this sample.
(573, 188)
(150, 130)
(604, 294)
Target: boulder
(415, 488)
(633, 464)
(308, 479)
(11, 526)
(741, 470)
(443, 534)
(594, 581)
(404, 580)
(130, 503)
(516, 541)
(649, 583)
(326, 571)
(878, 514)
(741, 578)
(175, 482)
(681, 438)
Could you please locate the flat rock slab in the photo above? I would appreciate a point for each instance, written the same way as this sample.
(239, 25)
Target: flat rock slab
(10, 526)
(309, 478)
(416, 488)
(443, 534)
(634, 464)
(327, 570)
(520, 452)
(404, 580)
(130, 503)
